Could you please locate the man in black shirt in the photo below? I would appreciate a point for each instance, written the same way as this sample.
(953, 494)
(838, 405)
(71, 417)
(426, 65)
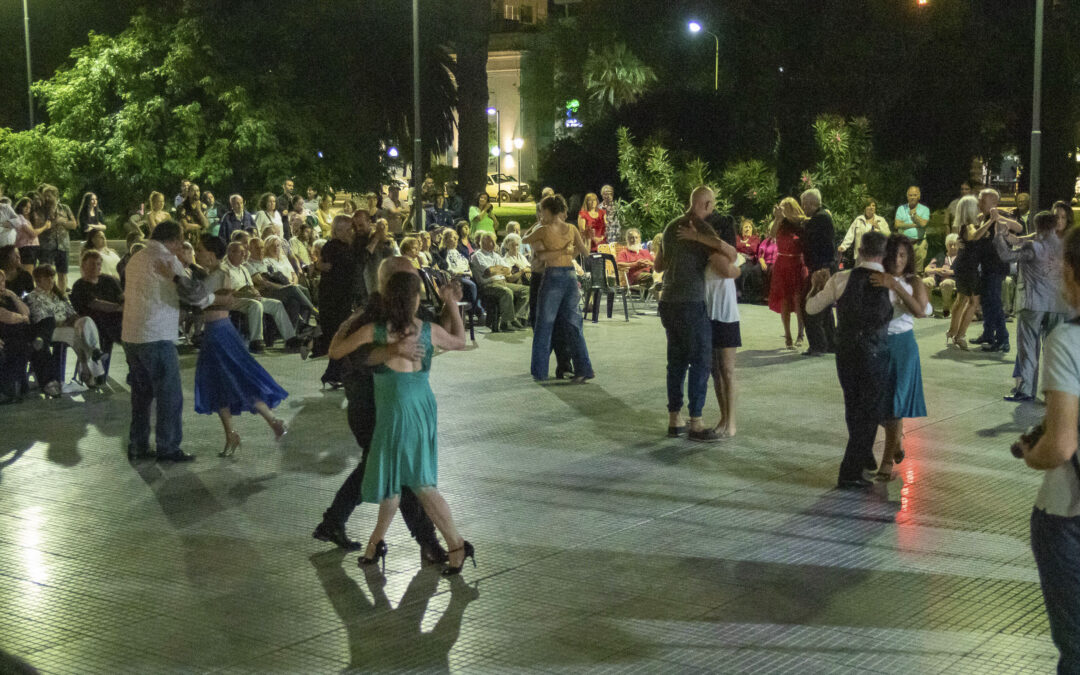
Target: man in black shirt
(819, 252)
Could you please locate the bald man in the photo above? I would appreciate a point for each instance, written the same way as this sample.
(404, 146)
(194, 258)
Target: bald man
(360, 393)
(683, 258)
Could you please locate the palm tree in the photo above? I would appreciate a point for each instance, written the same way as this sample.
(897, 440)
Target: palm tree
(614, 76)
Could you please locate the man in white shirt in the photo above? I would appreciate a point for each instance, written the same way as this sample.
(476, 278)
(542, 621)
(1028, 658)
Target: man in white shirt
(247, 295)
(863, 312)
(499, 284)
(156, 285)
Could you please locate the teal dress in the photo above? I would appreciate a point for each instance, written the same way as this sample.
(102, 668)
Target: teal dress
(404, 450)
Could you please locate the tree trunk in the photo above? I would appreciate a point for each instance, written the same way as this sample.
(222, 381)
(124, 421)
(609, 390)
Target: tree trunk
(472, 54)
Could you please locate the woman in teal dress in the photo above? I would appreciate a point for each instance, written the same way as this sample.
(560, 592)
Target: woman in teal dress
(404, 447)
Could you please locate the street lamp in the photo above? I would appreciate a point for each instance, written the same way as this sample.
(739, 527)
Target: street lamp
(418, 213)
(696, 27)
(496, 152)
(1036, 102)
(518, 144)
(29, 76)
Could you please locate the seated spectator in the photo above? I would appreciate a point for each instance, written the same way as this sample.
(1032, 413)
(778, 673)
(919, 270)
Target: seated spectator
(748, 241)
(268, 215)
(425, 249)
(110, 259)
(136, 221)
(464, 246)
(449, 259)
(634, 261)
(751, 277)
(393, 209)
(134, 245)
(244, 289)
(237, 219)
(300, 244)
(49, 310)
(438, 215)
(18, 279)
(311, 204)
(939, 273)
(481, 217)
(410, 248)
(16, 339)
(500, 286)
(323, 216)
(26, 234)
(156, 213)
(515, 258)
(514, 227)
(100, 298)
(190, 214)
(768, 252)
(275, 278)
(212, 210)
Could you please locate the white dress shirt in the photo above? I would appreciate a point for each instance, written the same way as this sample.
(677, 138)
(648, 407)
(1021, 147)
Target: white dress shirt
(834, 288)
(239, 277)
(152, 301)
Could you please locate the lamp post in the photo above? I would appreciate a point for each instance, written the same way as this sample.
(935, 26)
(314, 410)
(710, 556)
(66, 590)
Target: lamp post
(418, 147)
(1036, 133)
(518, 144)
(29, 75)
(696, 27)
(496, 152)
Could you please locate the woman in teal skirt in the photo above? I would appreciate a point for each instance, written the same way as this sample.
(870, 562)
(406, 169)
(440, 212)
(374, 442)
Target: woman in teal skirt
(404, 447)
(910, 302)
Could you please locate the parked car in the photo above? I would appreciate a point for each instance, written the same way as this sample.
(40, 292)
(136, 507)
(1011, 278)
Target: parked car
(503, 187)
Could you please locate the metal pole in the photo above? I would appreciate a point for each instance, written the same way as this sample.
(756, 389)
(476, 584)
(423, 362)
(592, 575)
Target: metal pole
(498, 158)
(417, 201)
(1036, 104)
(29, 74)
(716, 69)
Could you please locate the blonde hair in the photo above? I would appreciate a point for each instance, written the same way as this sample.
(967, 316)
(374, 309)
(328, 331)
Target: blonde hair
(791, 209)
(410, 244)
(585, 203)
(153, 194)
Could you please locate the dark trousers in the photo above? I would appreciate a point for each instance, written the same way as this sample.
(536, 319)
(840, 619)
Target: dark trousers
(689, 349)
(820, 327)
(994, 330)
(154, 375)
(14, 357)
(1055, 541)
(863, 378)
(361, 414)
(332, 313)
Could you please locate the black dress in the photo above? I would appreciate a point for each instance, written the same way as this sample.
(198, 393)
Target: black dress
(966, 266)
(336, 287)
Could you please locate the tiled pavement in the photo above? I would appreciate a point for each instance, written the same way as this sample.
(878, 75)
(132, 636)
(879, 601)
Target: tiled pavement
(602, 545)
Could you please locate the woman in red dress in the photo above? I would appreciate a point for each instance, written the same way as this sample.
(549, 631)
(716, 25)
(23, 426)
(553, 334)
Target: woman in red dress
(591, 222)
(789, 272)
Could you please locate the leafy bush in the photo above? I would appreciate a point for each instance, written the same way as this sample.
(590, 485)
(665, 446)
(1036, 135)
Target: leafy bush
(751, 188)
(650, 177)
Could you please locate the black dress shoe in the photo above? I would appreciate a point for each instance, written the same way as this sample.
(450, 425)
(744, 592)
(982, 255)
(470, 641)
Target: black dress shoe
(859, 483)
(178, 456)
(139, 453)
(1018, 397)
(813, 352)
(335, 534)
(978, 341)
(432, 552)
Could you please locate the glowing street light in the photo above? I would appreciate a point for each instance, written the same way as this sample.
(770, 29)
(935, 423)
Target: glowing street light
(495, 151)
(392, 152)
(696, 27)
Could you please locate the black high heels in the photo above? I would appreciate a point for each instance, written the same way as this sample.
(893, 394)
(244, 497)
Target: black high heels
(470, 552)
(380, 555)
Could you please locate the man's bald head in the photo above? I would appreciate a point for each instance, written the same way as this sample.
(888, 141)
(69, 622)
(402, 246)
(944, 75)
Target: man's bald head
(391, 266)
(702, 202)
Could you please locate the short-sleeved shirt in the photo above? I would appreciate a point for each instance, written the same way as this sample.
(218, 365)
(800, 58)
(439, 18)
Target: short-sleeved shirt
(1059, 494)
(83, 293)
(628, 256)
(684, 266)
(485, 224)
(903, 214)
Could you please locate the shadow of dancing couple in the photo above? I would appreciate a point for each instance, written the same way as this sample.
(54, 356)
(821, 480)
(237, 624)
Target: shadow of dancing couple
(382, 637)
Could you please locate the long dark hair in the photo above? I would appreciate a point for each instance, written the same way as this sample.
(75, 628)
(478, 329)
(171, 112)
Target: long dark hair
(892, 250)
(402, 290)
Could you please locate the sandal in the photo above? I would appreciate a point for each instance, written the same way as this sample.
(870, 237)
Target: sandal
(884, 473)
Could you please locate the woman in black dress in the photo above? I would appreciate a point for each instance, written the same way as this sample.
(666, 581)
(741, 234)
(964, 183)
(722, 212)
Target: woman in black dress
(966, 269)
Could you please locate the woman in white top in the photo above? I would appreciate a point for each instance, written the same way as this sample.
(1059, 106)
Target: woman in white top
(721, 302)
(910, 301)
(267, 214)
(50, 310)
(514, 257)
(1055, 520)
(109, 258)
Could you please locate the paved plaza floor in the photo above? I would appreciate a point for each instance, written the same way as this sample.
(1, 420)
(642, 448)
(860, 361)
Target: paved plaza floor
(601, 545)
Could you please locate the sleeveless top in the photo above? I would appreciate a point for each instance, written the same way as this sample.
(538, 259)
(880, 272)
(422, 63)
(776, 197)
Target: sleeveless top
(863, 313)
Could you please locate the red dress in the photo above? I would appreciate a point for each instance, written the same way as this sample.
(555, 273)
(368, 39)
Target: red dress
(789, 272)
(594, 227)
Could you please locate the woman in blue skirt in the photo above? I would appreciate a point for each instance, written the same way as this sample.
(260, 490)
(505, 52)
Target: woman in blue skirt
(228, 380)
(910, 302)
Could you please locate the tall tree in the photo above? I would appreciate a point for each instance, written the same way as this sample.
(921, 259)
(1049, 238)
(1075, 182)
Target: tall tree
(472, 51)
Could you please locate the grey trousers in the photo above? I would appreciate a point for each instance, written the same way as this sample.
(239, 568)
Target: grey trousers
(1032, 327)
(253, 310)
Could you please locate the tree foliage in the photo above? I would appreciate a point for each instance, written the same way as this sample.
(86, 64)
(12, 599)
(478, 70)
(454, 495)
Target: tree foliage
(614, 76)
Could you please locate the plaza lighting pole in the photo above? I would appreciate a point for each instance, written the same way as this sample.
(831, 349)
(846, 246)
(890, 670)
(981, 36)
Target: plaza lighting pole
(29, 75)
(696, 27)
(518, 144)
(1036, 105)
(418, 218)
(492, 110)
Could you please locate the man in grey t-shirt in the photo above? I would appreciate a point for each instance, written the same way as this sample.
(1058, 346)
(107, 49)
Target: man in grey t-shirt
(682, 312)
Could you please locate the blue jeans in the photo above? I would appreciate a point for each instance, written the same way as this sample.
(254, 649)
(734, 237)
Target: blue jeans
(993, 312)
(689, 347)
(558, 303)
(154, 373)
(1055, 541)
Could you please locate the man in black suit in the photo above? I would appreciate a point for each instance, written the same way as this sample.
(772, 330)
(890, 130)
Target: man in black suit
(820, 254)
(863, 311)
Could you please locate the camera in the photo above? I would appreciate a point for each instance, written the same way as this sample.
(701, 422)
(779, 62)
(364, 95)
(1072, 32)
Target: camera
(1029, 438)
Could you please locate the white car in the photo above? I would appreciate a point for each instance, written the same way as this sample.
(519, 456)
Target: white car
(503, 187)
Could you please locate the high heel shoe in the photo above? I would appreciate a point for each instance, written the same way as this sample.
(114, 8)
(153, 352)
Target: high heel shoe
(279, 427)
(788, 344)
(961, 343)
(470, 552)
(380, 555)
(232, 444)
(884, 473)
(949, 339)
(798, 342)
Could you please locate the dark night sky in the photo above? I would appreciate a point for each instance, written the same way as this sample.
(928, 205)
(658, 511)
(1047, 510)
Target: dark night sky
(56, 27)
